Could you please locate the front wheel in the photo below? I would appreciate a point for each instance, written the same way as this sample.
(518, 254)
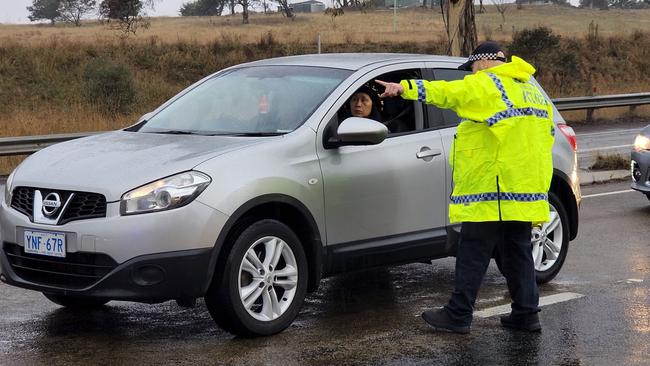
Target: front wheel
(263, 283)
(76, 302)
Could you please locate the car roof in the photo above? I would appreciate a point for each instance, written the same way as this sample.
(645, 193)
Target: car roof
(352, 61)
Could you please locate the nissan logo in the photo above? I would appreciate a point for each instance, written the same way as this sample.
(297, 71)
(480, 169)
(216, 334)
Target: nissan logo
(51, 204)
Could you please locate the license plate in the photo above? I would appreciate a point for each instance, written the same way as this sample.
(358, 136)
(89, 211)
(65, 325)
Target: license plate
(45, 243)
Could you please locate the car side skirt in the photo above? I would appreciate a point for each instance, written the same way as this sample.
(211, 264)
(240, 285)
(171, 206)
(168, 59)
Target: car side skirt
(420, 246)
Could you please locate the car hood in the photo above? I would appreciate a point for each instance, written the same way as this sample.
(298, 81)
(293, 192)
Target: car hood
(116, 162)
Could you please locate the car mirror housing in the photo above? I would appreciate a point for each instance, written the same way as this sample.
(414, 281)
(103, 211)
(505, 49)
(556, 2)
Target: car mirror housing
(361, 131)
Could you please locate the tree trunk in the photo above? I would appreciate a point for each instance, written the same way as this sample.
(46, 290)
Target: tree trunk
(461, 27)
(232, 7)
(245, 12)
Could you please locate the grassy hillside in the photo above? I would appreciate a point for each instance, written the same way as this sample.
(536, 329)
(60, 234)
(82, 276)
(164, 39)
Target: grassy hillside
(413, 25)
(66, 79)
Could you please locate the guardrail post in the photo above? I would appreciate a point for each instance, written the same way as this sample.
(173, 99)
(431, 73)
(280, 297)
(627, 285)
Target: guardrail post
(590, 114)
(632, 109)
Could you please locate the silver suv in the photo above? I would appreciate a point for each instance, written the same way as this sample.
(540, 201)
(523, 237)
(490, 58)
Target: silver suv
(249, 187)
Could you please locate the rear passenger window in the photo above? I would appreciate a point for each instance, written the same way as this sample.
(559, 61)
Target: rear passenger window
(445, 117)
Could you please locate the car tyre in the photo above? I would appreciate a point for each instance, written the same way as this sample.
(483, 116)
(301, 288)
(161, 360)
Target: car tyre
(76, 302)
(547, 257)
(263, 283)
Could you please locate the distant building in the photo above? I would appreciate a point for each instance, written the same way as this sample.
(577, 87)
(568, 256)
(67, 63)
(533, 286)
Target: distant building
(402, 3)
(310, 6)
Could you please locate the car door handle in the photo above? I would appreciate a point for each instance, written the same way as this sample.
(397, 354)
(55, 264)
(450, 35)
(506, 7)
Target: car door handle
(425, 153)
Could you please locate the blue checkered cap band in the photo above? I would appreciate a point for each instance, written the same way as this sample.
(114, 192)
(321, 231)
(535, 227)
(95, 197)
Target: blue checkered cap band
(422, 94)
(483, 56)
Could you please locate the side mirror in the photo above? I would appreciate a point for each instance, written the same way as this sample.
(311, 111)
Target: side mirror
(361, 131)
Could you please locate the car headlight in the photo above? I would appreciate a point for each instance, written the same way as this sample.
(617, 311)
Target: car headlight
(8, 187)
(641, 143)
(164, 194)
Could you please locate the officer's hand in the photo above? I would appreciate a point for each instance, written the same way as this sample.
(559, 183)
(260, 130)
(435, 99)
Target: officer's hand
(392, 89)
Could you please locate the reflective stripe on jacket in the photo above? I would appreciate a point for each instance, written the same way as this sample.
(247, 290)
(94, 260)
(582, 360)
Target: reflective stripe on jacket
(501, 157)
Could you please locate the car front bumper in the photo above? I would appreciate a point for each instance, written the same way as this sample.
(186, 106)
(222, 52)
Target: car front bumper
(640, 170)
(149, 258)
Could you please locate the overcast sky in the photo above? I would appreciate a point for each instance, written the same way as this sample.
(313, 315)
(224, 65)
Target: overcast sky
(15, 11)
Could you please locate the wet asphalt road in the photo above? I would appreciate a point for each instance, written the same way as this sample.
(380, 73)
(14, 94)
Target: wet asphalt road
(372, 317)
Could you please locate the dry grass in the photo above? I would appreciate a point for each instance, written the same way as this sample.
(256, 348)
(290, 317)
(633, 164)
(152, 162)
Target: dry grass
(413, 25)
(41, 67)
(611, 162)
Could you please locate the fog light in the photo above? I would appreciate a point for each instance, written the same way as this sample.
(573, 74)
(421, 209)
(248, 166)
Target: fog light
(148, 275)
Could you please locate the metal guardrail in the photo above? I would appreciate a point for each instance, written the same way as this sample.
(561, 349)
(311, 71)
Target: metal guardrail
(23, 145)
(602, 101)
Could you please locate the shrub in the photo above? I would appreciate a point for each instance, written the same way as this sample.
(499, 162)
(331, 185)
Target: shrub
(109, 86)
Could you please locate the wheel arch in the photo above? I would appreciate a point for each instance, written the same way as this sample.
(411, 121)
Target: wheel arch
(561, 187)
(283, 208)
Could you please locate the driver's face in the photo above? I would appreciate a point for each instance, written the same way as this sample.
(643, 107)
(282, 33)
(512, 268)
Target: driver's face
(360, 105)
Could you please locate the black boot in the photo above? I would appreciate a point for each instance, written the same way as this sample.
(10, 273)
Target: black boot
(439, 320)
(527, 322)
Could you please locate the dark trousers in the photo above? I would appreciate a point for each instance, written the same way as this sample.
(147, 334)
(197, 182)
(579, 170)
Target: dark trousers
(477, 243)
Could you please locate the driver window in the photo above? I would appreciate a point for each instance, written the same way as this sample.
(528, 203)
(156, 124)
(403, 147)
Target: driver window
(399, 115)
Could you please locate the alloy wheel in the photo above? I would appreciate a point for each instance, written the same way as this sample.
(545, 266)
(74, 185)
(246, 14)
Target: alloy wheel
(547, 242)
(268, 278)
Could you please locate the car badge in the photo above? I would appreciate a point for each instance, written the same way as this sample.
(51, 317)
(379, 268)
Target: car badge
(51, 204)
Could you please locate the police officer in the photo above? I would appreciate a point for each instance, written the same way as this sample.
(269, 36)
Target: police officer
(502, 168)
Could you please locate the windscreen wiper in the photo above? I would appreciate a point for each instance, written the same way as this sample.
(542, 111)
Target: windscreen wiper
(253, 134)
(175, 132)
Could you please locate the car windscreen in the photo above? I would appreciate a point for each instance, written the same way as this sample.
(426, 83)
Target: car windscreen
(262, 100)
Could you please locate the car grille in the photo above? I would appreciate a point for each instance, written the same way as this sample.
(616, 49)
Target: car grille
(75, 271)
(83, 205)
(23, 200)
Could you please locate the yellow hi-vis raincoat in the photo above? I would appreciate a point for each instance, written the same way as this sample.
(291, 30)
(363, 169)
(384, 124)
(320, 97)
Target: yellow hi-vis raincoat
(501, 156)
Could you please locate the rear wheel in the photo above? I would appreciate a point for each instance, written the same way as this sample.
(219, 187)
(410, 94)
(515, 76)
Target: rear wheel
(264, 281)
(76, 302)
(549, 242)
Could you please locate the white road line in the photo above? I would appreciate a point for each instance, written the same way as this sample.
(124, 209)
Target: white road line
(605, 148)
(607, 193)
(543, 301)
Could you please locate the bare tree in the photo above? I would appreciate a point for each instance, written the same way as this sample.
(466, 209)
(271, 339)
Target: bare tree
(286, 8)
(502, 7)
(246, 4)
(458, 16)
(481, 8)
(72, 11)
